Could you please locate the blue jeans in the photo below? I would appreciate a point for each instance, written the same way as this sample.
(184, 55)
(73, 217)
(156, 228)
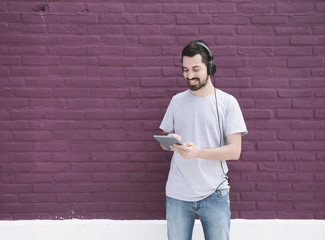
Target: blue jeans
(213, 212)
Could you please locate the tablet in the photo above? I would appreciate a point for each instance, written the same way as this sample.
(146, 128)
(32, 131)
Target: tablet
(166, 141)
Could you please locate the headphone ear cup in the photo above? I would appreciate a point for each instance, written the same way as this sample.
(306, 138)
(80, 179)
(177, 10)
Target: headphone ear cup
(212, 68)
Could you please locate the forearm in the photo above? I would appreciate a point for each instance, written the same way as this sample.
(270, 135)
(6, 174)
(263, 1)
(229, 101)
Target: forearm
(231, 151)
(228, 152)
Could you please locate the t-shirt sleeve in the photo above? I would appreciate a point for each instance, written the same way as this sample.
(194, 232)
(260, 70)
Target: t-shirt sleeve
(235, 122)
(167, 124)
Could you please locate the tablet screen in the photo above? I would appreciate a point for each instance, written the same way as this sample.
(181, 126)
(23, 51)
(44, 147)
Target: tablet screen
(166, 141)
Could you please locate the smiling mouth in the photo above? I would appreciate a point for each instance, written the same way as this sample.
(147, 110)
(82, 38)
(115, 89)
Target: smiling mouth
(193, 81)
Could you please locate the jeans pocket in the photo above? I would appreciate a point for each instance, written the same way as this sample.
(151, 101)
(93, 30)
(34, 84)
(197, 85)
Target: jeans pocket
(223, 193)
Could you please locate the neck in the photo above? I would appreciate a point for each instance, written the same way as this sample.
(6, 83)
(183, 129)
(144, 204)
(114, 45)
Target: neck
(207, 90)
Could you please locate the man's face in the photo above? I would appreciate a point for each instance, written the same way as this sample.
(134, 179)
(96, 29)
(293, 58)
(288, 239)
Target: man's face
(195, 72)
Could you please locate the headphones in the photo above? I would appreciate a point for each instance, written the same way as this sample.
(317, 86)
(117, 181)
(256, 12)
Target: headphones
(211, 67)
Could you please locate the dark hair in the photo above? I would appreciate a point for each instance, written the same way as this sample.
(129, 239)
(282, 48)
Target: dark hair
(193, 48)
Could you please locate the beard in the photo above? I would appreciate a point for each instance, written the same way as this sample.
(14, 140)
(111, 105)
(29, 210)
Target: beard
(197, 86)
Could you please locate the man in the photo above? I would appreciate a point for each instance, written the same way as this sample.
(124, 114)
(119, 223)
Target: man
(210, 124)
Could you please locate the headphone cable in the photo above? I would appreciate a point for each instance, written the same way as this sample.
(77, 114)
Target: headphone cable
(220, 133)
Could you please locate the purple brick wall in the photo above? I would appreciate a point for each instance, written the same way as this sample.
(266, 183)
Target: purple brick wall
(84, 85)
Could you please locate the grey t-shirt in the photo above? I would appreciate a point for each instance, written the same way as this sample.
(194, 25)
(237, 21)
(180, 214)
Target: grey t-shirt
(195, 119)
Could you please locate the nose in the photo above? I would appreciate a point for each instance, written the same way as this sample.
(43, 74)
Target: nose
(189, 74)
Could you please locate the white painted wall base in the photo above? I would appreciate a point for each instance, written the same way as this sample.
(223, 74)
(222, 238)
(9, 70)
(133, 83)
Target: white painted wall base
(155, 230)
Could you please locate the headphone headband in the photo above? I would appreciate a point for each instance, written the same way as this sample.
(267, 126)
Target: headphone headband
(212, 68)
(206, 48)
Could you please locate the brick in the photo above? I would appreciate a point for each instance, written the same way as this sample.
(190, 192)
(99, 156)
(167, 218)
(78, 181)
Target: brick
(68, 29)
(156, 19)
(308, 103)
(17, 208)
(258, 196)
(270, 19)
(304, 19)
(32, 136)
(50, 207)
(79, 61)
(276, 167)
(231, 62)
(40, 18)
(71, 92)
(244, 30)
(36, 39)
(71, 40)
(70, 135)
(26, 60)
(309, 186)
(302, 40)
(274, 206)
(72, 115)
(293, 30)
(308, 124)
(275, 186)
(68, 51)
(308, 83)
(28, 71)
(218, 30)
(294, 114)
(105, 8)
(79, 18)
(104, 71)
(256, 51)
(48, 147)
(294, 7)
(270, 41)
(231, 19)
(309, 146)
(294, 51)
(103, 115)
(295, 177)
(191, 19)
(313, 206)
(144, 72)
(104, 29)
(273, 103)
(318, 72)
(268, 62)
(255, 8)
(305, 62)
(180, 8)
(258, 114)
(9, 17)
(274, 146)
(103, 93)
(289, 72)
(218, 8)
(108, 135)
(118, 18)
(28, 114)
(295, 93)
(231, 41)
(115, 61)
(9, 61)
(13, 103)
(157, 40)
